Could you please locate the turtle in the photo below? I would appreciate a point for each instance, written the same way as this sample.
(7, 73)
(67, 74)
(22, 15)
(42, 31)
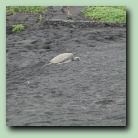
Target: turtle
(63, 58)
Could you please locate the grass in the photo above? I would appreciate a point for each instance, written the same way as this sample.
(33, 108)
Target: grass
(26, 9)
(106, 13)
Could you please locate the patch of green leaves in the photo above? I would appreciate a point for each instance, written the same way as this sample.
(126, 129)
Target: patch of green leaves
(26, 9)
(106, 13)
(17, 28)
(41, 18)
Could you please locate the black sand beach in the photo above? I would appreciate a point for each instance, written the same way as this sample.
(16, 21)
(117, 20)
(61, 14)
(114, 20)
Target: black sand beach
(89, 92)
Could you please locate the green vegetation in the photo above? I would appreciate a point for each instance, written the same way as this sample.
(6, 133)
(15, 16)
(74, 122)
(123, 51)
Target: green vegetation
(107, 14)
(17, 28)
(41, 18)
(28, 9)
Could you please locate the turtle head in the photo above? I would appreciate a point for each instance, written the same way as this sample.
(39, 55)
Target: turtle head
(76, 59)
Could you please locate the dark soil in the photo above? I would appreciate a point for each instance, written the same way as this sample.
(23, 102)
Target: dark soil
(89, 92)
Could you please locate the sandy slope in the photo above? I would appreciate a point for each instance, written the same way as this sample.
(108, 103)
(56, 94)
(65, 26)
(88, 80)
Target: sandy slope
(90, 92)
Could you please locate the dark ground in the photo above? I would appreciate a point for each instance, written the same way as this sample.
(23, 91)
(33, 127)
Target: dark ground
(90, 92)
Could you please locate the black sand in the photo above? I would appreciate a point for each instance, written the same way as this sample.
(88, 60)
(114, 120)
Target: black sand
(89, 92)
